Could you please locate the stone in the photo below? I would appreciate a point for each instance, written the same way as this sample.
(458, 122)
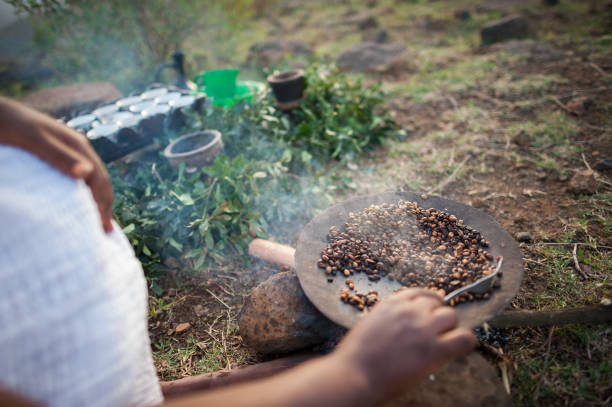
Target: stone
(579, 106)
(469, 381)
(182, 327)
(379, 36)
(277, 318)
(513, 26)
(199, 310)
(604, 165)
(522, 139)
(462, 15)
(65, 100)
(583, 182)
(524, 237)
(370, 56)
(272, 52)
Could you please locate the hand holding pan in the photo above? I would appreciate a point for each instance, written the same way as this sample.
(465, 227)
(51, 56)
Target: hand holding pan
(325, 295)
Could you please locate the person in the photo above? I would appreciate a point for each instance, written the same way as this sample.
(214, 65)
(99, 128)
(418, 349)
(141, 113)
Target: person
(73, 305)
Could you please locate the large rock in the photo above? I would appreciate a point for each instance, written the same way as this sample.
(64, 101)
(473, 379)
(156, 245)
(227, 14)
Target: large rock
(370, 56)
(272, 52)
(278, 318)
(67, 99)
(469, 381)
(514, 26)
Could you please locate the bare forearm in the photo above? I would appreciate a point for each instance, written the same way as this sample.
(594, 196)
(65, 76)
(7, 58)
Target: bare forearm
(326, 381)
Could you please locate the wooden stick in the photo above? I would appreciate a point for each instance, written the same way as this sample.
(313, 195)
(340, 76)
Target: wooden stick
(273, 252)
(597, 314)
(576, 264)
(222, 378)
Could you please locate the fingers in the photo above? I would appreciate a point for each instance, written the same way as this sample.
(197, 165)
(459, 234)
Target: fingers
(456, 343)
(62, 157)
(444, 319)
(102, 192)
(409, 294)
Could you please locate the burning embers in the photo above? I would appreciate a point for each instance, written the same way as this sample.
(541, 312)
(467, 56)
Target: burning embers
(415, 246)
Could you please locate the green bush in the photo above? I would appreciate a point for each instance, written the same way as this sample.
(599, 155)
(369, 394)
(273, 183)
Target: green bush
(339, 118)
(272, 178)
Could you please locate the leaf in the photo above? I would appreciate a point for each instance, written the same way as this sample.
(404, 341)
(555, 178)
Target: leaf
(146, 250)
(185, 198)
(129, 229)
(210, 242)
(175, 244)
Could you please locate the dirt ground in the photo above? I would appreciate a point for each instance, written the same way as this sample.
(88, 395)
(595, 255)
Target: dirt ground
(503, 128)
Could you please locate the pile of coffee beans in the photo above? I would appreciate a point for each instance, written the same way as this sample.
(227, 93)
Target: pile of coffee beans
(417, 247)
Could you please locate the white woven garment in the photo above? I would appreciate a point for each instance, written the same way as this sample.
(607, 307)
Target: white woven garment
(73, 299)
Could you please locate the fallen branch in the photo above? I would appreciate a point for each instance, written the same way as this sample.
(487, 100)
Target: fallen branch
(226, 377)
(576, 264)
(598, 314)
(573, 243)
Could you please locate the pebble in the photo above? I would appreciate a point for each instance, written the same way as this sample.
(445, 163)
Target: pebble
(583, 182)
(524, 237)
(182, 327)
(514, 26)
(198, 310)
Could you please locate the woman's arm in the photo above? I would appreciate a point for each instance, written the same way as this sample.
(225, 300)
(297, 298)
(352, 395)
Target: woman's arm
(61, 147)
(404, 339)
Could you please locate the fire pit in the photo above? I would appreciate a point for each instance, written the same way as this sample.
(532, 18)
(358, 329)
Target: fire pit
(324, 294)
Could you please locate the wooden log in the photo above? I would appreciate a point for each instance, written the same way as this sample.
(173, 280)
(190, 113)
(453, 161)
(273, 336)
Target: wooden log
(283, 255)
(273, 252)
(222, 378)
(584, 315)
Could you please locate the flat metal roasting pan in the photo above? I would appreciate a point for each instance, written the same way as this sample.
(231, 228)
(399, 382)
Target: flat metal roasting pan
(325, 295)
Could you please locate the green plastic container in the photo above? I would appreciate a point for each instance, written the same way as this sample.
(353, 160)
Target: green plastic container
(219, 84)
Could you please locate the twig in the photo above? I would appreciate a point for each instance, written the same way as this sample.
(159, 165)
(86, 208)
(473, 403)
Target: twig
(550, 334)
(154, 171)
(573, 243)
(483, 96)
(590, 126)
(477, 180)
(225, 290)
(449, 178)
(212, 185)
(558, 102)
(576, 265)
(218, 299)
(534, 261)
(586, 162)
(597, 68)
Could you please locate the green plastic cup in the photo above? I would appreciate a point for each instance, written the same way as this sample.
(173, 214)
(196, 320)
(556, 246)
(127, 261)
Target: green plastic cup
(220, 83)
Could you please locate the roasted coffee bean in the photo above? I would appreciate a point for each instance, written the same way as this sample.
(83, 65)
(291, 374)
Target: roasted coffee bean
(409, 244)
